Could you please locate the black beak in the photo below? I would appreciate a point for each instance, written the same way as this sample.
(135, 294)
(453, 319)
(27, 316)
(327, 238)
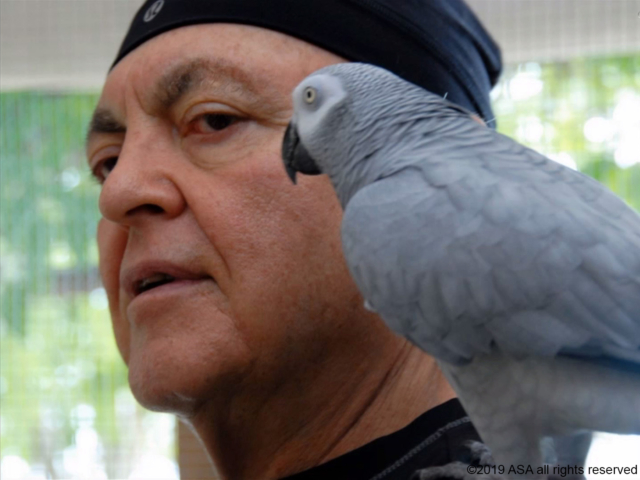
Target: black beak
(295, 156)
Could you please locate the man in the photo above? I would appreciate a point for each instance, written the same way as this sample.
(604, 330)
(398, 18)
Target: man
(230, 299)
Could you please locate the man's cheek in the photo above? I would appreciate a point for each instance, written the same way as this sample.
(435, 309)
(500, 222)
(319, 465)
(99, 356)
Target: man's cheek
(112, 242)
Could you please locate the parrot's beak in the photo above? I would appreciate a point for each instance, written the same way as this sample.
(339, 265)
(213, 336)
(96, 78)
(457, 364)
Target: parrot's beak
(295, 156)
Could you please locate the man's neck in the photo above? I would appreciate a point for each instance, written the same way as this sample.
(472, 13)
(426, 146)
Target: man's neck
(299, 430)
(413, 386)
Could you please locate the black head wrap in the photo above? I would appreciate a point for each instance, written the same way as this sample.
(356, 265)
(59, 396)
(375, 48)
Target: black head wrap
(437, 44)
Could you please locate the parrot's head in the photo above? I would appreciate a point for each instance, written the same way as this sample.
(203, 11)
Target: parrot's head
(319, 105)
(348, 116)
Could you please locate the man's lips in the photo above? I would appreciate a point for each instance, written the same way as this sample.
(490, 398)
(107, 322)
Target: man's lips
(149, 275)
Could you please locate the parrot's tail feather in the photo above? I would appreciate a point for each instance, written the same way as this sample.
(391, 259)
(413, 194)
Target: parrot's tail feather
(513, 403)
(608, 396)
(616, 364)
(608, 356)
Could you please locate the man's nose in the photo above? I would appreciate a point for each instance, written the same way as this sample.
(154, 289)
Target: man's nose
(141, 184)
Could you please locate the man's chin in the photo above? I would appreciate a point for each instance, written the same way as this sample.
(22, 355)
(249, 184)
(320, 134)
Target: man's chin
(160, 392)
(164, 378)
(167, 402)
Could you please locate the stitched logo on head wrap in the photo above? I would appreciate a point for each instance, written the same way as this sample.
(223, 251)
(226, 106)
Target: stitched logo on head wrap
(153, 11)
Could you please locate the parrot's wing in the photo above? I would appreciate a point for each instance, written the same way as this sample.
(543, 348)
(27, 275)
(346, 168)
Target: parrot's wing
(495, 244)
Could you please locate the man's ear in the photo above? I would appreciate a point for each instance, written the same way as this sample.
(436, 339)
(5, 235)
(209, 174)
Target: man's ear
(478, 119)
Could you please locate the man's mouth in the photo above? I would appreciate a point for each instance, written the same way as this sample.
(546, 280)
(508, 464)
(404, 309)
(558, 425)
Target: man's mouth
(151, 275)
(151, 282)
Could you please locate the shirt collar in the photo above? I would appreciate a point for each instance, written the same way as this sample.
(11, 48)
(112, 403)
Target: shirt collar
(434, 438)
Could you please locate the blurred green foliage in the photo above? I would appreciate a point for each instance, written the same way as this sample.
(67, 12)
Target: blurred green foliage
(553, 120)
(57, 346)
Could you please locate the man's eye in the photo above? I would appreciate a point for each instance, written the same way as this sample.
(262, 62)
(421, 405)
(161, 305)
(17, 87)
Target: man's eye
(102, 170)
(215, 121)
(219, 122)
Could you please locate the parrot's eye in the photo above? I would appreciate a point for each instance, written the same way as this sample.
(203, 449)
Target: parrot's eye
(310, 95)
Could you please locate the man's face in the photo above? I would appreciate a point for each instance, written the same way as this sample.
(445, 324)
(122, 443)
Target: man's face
(194, 191)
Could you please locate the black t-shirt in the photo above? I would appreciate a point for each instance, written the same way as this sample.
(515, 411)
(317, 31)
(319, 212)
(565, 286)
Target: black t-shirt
(435, 438)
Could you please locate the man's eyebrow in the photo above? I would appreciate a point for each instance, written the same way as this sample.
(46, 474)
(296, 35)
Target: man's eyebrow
(103, 121)
(203, 72)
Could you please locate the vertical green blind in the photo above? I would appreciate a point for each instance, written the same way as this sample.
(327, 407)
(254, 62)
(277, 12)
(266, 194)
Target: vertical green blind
(67, 411)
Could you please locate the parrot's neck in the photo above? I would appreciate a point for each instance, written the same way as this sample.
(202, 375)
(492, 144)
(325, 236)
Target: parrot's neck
(371, 160)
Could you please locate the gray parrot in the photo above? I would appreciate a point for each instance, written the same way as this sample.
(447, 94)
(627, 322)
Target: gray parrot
(519, 275)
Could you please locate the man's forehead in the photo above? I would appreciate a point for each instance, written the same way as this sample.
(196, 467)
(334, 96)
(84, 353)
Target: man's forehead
(248, 55)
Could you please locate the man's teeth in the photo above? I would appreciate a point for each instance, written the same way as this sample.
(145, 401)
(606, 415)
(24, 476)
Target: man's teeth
(154, 281)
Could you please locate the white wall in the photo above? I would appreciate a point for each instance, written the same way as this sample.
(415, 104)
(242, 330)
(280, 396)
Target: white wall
(71, 43)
